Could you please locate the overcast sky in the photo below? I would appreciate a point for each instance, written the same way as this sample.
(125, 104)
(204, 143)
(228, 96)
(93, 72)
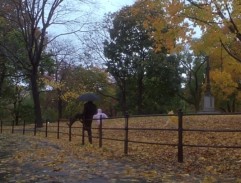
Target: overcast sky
(95, 12)
(113, 5)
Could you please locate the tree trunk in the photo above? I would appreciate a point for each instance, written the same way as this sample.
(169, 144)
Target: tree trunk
(228, 107)
(123, 97)
(16, 113)
(36, 99)
(2, 74)
(233, 106)
(60, 104)
(197, 108)
(140, 95)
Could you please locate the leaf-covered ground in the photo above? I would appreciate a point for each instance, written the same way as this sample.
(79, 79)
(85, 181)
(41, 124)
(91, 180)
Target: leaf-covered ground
(28, 158)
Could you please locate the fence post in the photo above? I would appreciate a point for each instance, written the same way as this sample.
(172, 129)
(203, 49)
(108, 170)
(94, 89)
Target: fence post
(180, 136)
(100, 132)
(58, 130)
(24, 127)
(126, 134)
(1, 126)
(83, 135)
(13, 126)
(70, 133)
(46, 128)
(35, 128)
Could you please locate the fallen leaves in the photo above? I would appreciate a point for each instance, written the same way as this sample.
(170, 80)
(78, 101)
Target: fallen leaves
(209, 179)
(144, 162)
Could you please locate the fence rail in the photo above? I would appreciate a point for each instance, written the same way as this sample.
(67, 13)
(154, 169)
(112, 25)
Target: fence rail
(127, 129)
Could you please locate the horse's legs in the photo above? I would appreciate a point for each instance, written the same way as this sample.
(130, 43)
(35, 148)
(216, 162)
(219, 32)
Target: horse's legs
(83, 136)
(88, 129)
(89, 135)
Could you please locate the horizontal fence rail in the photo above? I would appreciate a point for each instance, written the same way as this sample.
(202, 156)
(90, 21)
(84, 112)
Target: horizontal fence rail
(60, 130)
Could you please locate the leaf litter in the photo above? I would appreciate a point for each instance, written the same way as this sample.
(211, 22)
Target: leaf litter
(39, 159)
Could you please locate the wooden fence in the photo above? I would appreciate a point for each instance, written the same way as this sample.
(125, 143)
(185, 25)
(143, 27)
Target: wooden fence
(127, 129)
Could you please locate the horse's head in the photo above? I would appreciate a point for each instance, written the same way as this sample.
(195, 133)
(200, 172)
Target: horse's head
(77, 116)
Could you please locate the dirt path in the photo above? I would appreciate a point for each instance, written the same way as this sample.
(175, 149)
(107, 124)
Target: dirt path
(33, 159)
(27, 159)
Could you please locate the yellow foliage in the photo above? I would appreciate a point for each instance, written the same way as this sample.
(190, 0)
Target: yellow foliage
(70, 95)
(222, 84)
(219, 21)
(164, 20)
(67, 94)
(50, 82)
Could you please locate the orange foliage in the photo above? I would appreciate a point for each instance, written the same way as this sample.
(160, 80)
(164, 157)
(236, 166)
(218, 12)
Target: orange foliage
(164, 21)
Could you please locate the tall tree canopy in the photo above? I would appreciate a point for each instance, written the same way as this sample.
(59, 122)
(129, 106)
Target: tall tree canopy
(135, 63)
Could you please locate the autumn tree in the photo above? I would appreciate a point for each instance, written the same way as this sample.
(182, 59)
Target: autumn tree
(219, 24)
(62, 53)
(225, 79)
(165, 23)
(225, 90)
(221, 41)
(135, 61)
(221, 19)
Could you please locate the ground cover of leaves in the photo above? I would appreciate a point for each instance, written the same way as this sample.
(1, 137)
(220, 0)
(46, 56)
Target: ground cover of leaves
(28, 158)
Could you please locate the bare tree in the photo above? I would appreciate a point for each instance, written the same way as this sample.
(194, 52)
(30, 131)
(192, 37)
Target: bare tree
(63, 54)
(33, 19)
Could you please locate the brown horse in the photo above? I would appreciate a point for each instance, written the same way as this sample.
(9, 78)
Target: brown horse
(86, 125)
